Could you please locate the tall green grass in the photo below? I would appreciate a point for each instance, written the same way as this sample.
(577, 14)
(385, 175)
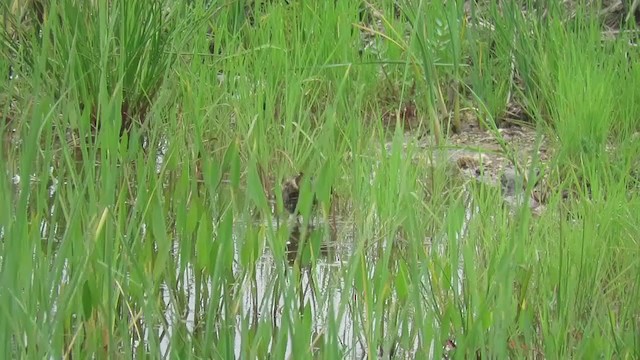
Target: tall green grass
(169, 239)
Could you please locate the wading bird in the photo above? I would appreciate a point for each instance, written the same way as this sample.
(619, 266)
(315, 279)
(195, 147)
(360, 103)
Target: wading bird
(291, 193)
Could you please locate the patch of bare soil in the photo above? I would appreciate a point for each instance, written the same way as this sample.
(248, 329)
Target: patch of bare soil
(510, 169)
(500, 158)
(481, 150)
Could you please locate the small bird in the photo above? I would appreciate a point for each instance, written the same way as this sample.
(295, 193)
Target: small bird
(291, 193)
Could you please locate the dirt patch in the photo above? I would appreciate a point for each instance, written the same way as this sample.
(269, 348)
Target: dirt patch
(501, 158)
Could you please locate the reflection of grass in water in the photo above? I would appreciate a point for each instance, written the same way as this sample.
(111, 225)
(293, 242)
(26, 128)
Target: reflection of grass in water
(122, 240)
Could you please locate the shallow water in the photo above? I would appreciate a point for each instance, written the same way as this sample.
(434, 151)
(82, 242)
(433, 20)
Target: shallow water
(322, 284)
(325, 276)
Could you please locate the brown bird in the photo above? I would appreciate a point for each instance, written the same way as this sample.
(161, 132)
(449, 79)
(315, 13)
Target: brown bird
(291, 193)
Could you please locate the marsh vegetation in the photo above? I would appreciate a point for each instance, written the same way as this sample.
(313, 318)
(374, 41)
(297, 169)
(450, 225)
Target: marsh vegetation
(472, 191)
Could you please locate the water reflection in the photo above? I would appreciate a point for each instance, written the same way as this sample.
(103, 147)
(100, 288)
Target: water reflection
(308, 244)
(312, 249)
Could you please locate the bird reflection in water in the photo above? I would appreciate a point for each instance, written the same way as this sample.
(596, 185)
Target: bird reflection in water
(306, 247)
